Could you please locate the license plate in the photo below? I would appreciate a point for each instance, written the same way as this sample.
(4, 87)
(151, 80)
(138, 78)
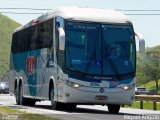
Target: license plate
(100, 97)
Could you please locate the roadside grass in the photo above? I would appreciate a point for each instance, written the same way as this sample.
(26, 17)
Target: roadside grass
(146, 105)
(9, 112)
(6, 110)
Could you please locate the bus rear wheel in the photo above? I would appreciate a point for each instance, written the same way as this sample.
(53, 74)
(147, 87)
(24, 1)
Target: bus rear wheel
(113, 109)
(16, 92)
(21, 99)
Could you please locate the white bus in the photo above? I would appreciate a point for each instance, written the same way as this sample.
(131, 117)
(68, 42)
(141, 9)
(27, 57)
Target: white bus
(75, 56)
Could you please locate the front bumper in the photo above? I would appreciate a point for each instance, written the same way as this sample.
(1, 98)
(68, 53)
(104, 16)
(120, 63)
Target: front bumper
(87, 95)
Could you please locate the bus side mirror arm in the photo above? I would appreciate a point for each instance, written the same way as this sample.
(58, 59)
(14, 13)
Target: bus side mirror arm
(61, 39)
(141, 42)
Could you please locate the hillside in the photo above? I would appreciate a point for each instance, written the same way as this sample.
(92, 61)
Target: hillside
(7, 26)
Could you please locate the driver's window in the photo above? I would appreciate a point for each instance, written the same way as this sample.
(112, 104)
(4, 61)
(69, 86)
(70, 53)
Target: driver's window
(59, 23)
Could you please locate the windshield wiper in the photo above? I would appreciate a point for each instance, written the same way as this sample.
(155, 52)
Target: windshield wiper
(90, 60)
(113, 67)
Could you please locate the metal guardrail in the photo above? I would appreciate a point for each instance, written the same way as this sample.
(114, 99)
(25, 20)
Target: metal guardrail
(149, 98)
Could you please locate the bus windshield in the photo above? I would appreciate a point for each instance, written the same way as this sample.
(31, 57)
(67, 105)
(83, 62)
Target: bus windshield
(119, 50)
(97, 49)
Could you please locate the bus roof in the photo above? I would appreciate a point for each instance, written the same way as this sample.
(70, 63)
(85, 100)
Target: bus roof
(83, 14)
(92, 14)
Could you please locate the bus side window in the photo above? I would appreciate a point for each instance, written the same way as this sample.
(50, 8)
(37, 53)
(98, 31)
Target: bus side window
(34, 37)
(45, 39)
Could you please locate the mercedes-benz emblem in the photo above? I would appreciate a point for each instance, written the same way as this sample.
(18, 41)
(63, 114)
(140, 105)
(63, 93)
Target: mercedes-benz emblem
(102, 90)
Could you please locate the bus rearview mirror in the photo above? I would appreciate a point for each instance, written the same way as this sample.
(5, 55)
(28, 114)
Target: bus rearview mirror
(141, 42)
(61, 39)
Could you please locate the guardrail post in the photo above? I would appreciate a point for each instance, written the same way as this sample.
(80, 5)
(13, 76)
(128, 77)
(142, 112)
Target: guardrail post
(154, 105)
(149, 98)
(141, 104)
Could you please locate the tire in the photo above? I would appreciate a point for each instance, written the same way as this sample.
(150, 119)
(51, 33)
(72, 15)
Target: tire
(22, 100)
(54, 104)
(114, 109)
(16, 92)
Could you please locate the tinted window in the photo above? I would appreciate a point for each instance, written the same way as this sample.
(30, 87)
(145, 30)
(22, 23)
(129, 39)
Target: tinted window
(45, 35)
(83, 52)
(35, 37)
(100, 49)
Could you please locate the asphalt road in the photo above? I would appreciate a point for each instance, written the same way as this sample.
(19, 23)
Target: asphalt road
(83, 112)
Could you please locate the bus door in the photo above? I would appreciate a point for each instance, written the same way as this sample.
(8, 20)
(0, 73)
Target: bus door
(59, 23)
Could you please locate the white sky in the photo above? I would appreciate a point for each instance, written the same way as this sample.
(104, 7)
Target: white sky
(148, 26)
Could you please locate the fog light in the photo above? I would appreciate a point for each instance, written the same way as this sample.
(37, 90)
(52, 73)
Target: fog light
(67, 94)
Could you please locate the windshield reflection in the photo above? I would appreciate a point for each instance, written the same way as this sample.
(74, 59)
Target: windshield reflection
(119, 50)
(97, 49)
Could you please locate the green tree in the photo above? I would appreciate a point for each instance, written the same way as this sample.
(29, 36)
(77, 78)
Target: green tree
(152, 64)
(140, 72)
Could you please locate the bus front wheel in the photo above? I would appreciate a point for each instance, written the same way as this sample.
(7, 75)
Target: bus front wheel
(54, 104)
(113, 109)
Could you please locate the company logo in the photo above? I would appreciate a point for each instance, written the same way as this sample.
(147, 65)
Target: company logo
(114, 83)
(30, 65)
(102, 90)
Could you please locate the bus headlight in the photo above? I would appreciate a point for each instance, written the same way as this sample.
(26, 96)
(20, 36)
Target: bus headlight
(72, 84)
(125, 87)
(128, 87)
(76, 85)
